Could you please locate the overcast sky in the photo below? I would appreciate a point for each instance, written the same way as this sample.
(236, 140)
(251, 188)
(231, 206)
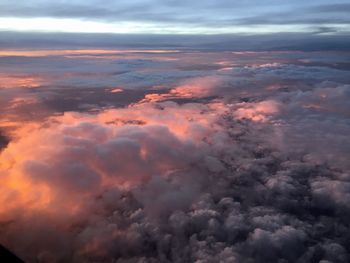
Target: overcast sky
(176, 16)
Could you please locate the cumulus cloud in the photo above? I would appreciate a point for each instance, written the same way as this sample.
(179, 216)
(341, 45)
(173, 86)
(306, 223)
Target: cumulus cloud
(192, 89)
(214, 169)
(166, 183)
(259, 111)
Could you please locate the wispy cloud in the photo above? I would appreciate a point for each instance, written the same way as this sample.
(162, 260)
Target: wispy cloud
(206, 17)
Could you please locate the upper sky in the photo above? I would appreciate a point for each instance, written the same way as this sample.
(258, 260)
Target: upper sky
(176, 16)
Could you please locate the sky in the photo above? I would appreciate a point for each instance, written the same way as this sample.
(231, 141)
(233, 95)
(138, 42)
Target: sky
(176, 17)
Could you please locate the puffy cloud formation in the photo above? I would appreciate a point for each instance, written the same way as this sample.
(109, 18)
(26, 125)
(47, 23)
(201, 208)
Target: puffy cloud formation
(322, 112)
(244, 165)
(259, 111)
(193, 89)
(163, 182)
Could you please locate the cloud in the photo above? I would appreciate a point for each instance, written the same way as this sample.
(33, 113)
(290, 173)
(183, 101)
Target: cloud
(259, 111)
(97, 158)
(167, 182)
(3, 141)
(241, 165)
(232, 42)
(193, 89)
(180, 16)
(319, 112)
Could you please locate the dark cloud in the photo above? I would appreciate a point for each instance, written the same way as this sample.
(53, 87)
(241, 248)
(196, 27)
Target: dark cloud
(234, 42)
(4, 140)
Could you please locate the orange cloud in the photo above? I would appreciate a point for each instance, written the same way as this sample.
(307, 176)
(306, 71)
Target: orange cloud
(116, 90)
(195, 88)
(42, 159)
(63, 52)
(52, 166)
(257, 111)
(22, 81)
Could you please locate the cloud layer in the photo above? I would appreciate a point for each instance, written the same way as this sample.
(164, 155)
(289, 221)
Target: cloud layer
(242, 161)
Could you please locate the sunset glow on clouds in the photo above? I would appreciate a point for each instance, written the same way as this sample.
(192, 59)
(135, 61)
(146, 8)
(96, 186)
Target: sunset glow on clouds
(20, 81)
(165, 157)
(160, 131)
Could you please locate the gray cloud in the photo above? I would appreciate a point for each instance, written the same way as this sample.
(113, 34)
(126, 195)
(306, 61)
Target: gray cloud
(234, 42)
(208, 13)
(3, 141)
